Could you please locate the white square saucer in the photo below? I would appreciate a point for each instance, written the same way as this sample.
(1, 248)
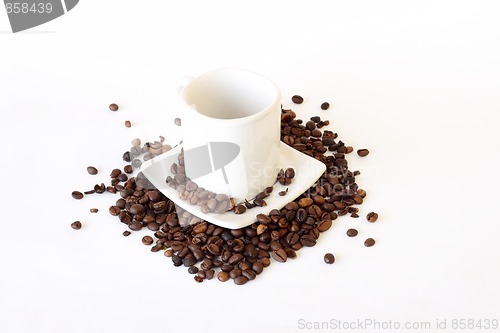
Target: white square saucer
(307, 172)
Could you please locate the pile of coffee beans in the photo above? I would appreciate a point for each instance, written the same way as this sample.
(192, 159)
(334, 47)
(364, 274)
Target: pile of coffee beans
(207, 250)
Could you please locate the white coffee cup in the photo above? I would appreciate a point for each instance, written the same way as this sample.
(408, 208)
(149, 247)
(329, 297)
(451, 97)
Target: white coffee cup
(231, 131)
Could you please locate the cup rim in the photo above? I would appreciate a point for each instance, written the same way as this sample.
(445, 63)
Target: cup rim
(231, 121)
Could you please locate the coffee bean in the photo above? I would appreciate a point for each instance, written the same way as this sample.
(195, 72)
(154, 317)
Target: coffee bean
(325, 106)
(240, 209)
(372, 217)
(363, 152)
(222, 276)
(126, 157)
(240, 280)
(324, 225)
(279, 255)
(307, 240)
(128, 169)
(316, 119)
(113, 107)
(126, 233)
(76, 225)
(369, 242)
(198, 279)
(260, 202)
(193, 270)
(122, 177)
(289, 173)
(128, 123)
(115, 173)
(297, 99)
(89, 192)
(305, 202)
(177, 121)
(352, 232)
(136, 209)
(92, 170)
(77, 195)
(329, 258)
(135, 226)
(147, 240)
(282, 193)
(94, 210)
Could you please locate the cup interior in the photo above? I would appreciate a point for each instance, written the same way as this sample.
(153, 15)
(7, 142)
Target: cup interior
(230, 93)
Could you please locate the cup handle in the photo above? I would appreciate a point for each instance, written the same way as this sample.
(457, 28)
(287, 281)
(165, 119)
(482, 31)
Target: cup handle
(183, 81)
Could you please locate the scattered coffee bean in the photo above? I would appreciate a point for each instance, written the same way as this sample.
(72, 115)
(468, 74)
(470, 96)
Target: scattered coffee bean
(128, 123)
(222, 276)
(240, 280)
(115, 173)
(369, 242)
(325, 106)
(352, 232)
(297, 99)
(113, 107)
(92, 170)
(76, 225)
(193, 270)
(372, 217)
(147, 240)
(94, 210)
(77, 195)
(126, 233)
(279, 255)
(363, 152)
(282, 193)
(177, 121)
(128, 169)
(240, 209)
(329, 258)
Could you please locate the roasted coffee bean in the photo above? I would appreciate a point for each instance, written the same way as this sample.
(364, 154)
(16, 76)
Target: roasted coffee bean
(258, 267)
(289, 173)
(260, 202)
(282, 193)
(305, 202)
(307, 240)
(292, 206)
(126, 157)
(113, 107)
(198, 279)
(234, 273)
(209, 274)
(135, 226)
(316, 119)
(176, 260)
(177, 121)
(279, 255)
(372, 217)
(92, 170)
(136, 209)
(329, 258)
(115, 173)
(89, 192)
(325, 106)
(128, 123)
(77, 195)
(324, 225)
(222, 276)
(122, 177)
(369, 242)
(76, 225)
(147, 240)
(363, 152)
(240, 209)
(249, 274)
(126, 233)
(240, 280)
(128, 169)
(352, 232)
(188, 260)
(94, 210)
(193, 270)
(297, 99)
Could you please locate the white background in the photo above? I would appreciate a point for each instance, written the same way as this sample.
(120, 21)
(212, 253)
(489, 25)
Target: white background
(415, 82)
